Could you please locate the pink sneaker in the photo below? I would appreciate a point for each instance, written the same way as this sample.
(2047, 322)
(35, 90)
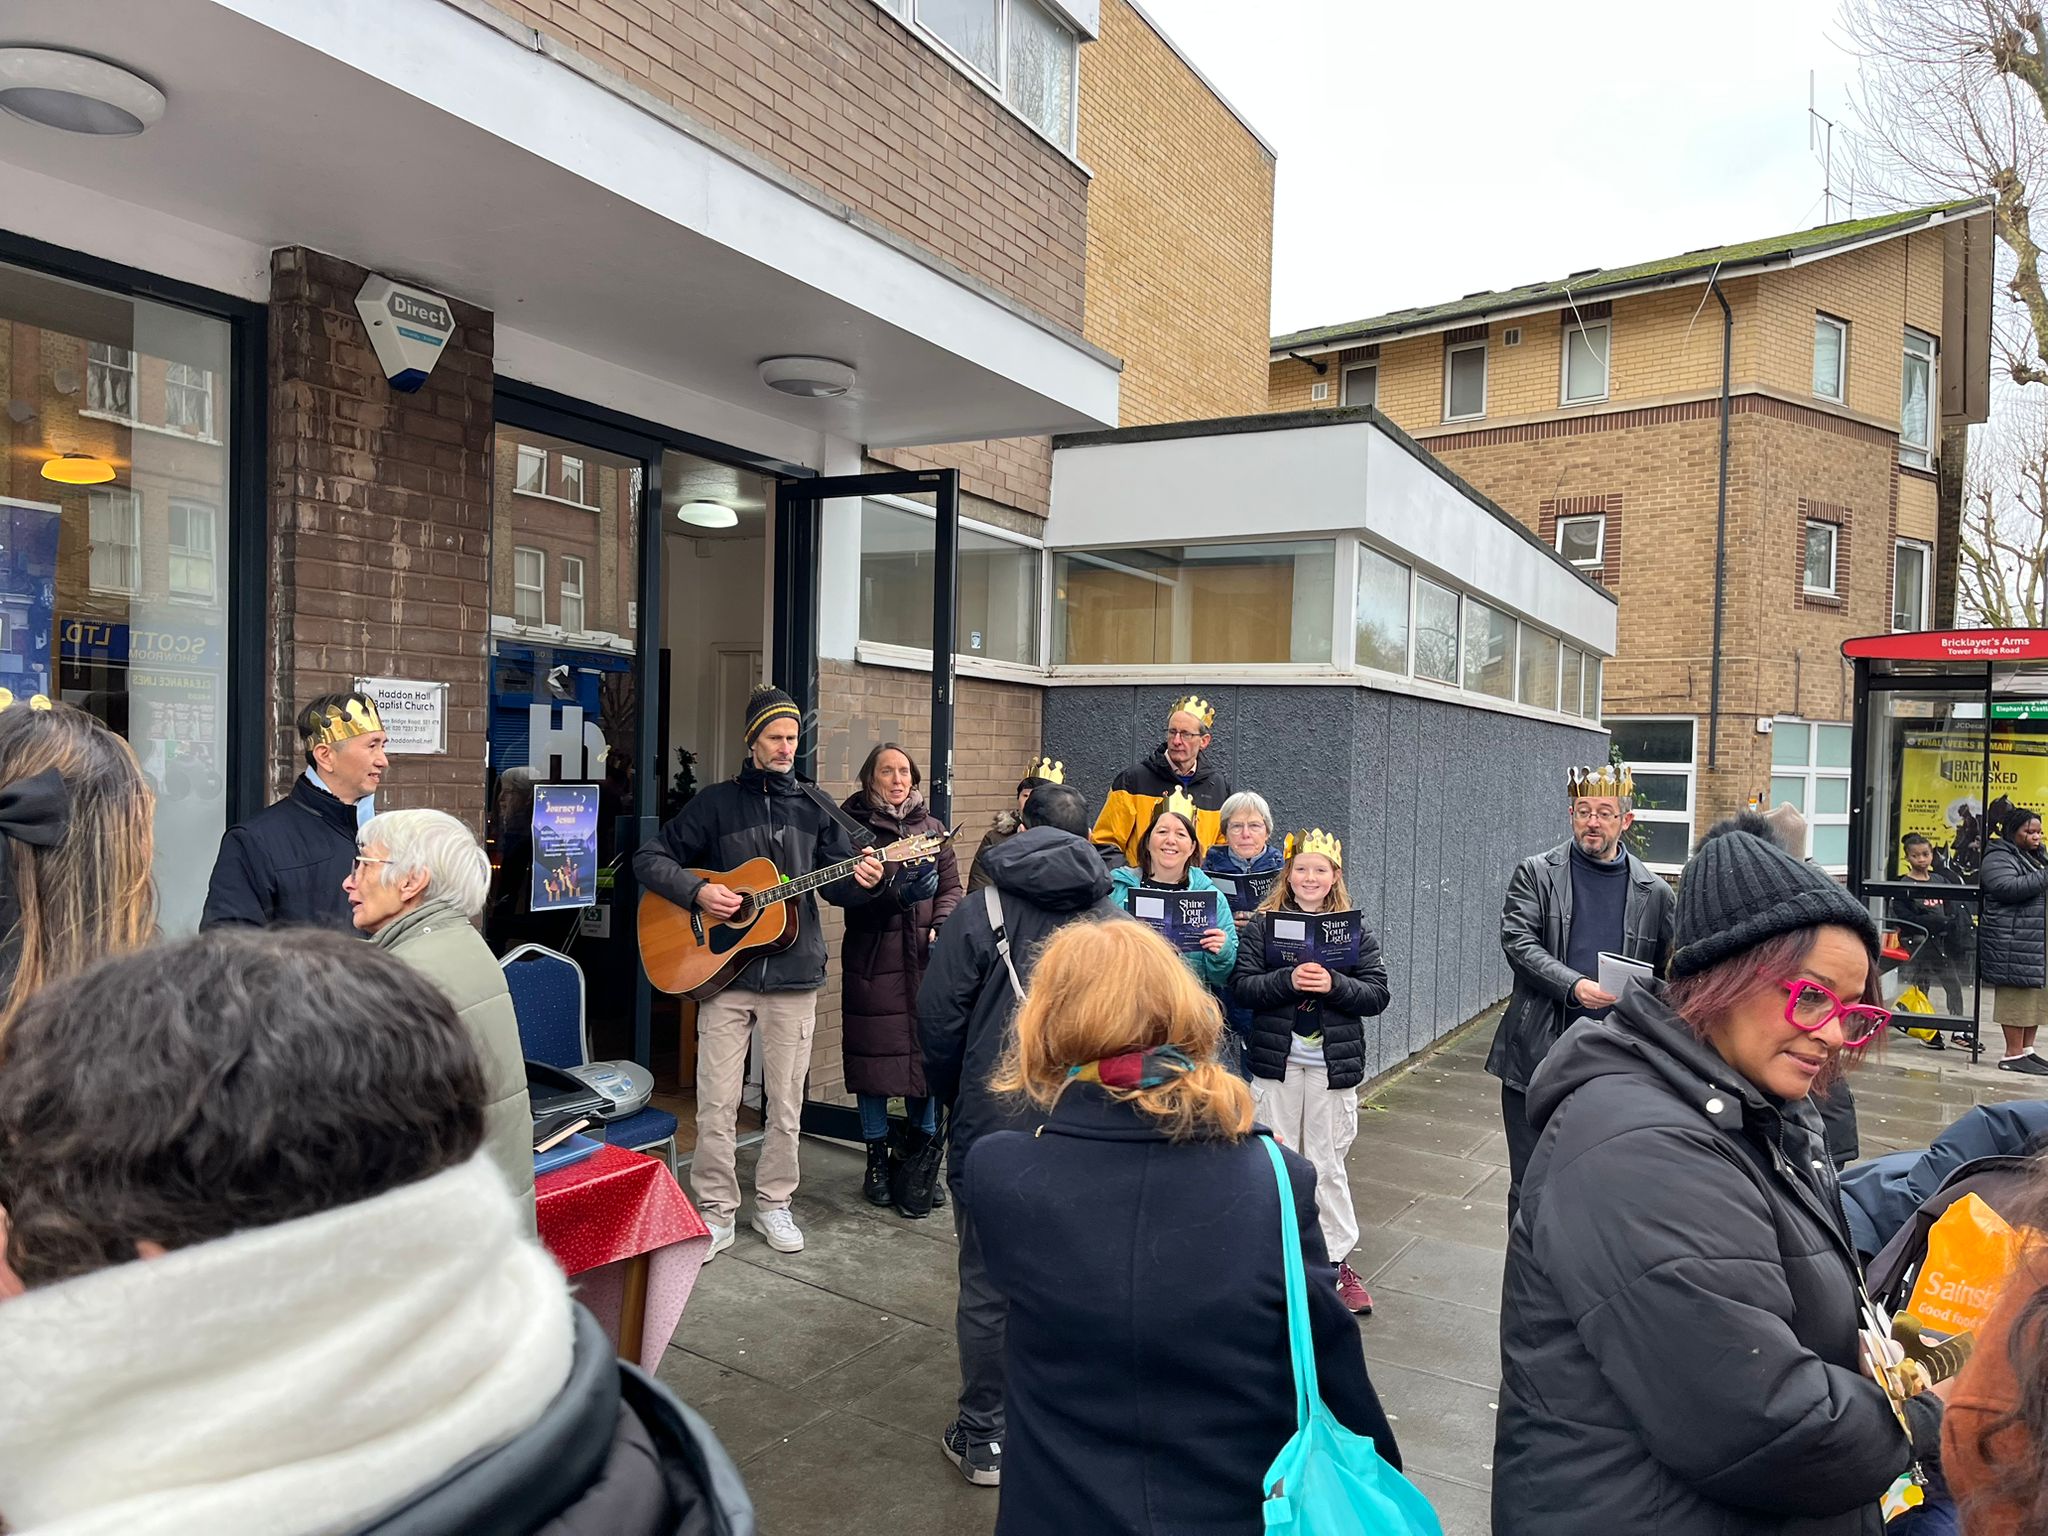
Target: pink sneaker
(1352, 1292)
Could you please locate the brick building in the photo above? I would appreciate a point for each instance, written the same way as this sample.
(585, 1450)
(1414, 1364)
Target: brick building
(1592, 409)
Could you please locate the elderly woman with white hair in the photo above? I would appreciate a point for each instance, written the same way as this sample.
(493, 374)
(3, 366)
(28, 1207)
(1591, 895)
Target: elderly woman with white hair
(419, 879)
(1245, 849)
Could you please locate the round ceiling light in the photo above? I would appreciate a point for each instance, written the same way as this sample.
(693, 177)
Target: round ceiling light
(76, 93)
(77, 468)
(808, 378)
(708, 514)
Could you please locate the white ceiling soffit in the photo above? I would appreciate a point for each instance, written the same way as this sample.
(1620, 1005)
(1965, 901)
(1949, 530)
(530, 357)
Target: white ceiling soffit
(414, 139)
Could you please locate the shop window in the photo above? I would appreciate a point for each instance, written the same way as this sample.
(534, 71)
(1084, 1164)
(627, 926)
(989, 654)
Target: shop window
(1436, 632)
(1810, 772)
(1582, 540)
(1537, 669)
(572, 593)
(971, 28)
(1220, 603)
(1659, 752)
(115, 524)
(1569, 681)
(1465, 381)
(1382, 612)
(1362, 384)
(109, 380)
(1585, 363)
(997, 618)
(1830, 357)
(1916, 389)
(192, 571)
(1818, 577)
(529, 586)
(532, 470)
(571, 484)
(1489, 650)
(1038, 70)
(188, 400)
(1910, 565)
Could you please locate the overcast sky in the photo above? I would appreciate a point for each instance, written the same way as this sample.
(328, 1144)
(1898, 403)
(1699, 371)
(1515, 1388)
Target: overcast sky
(1429, 150)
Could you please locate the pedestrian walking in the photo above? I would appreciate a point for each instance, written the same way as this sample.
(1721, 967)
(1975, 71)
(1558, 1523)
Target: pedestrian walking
(1009, 823)
(1135, 794)
(76, 820)
(1133, 1231)
(1682, 1315)
(284, 866)
(1044, 878)
(883, 959)
(418, 883)
(339, 1323)
(2012, 941)
(1306, 1049)
(1564, 908)
(1170, 857)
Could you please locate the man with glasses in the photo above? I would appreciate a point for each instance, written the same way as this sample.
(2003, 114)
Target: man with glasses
(1135, 794)
(1564, 909)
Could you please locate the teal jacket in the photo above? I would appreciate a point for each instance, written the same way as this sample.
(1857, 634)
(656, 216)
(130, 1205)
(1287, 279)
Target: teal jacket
(1212, 970)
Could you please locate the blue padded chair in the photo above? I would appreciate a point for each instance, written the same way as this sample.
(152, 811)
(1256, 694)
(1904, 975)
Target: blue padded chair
(547, 998)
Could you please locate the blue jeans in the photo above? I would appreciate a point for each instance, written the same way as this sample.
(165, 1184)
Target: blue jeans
(874, 1115)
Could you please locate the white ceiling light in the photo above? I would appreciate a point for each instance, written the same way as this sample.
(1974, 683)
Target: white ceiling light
(708, 514)
(809, 378)
(76, 93)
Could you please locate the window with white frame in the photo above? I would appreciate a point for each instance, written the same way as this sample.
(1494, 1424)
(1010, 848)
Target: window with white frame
(1489, 650)
(1436, 632)
(529, 586)
(114, 524)
(1569, 682)
(192, 572)
(1659, 753)
(973, 29)
(1537, 668)
(1916, 410)
(532, 476)
(1382, 611)
(1830, 357)
(1582, 540)
(1019, 47)
(1589, 693)
(572, 592)
(110, 380)
(996, 608)
(1362, 384)
(572, 479)
(1911, 563)
(188, 399)
(1810, 772)
(1585, 363)
(1465, 381)
(1818, 575)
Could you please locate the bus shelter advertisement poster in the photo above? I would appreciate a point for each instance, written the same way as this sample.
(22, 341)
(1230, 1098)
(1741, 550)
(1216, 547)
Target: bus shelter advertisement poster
(1941, 789)
(564, 846)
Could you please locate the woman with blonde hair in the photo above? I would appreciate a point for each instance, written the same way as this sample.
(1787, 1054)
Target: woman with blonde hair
(76, 820)
(1134, 1233)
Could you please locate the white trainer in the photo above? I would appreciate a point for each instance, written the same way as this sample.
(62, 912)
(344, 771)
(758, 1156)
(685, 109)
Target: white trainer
(721, 1239)
(780, 1228)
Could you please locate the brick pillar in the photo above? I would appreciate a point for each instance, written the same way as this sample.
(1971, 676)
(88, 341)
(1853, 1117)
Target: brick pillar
(380, 520)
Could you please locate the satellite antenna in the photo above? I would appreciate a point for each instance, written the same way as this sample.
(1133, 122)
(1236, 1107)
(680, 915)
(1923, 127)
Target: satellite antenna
(1820, 139)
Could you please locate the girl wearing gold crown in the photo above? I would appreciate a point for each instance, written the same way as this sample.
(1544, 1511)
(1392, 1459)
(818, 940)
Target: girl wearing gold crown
(1306, 1049)
(1170, 855)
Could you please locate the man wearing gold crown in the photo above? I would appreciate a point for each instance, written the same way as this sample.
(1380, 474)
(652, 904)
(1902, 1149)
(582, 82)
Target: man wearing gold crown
(284, 866)
(1136, 792)
(1565, 908)
(1009, 823)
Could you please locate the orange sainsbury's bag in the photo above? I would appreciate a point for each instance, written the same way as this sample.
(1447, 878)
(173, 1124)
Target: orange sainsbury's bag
(1971, 1250)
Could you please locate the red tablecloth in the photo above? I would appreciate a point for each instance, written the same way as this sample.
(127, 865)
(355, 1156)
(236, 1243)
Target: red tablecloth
(616, 1205)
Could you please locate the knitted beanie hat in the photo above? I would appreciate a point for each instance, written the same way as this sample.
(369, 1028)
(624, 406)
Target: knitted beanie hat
(768, 703)
(1740, 890)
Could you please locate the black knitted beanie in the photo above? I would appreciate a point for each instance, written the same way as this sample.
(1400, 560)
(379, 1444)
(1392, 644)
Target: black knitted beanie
(1740, 890)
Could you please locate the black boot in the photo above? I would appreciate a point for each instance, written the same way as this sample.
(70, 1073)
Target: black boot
(875, 1184)
(916, 1176)
(939, 1186)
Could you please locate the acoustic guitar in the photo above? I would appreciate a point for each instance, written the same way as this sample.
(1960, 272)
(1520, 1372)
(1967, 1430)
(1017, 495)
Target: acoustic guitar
(697, 955)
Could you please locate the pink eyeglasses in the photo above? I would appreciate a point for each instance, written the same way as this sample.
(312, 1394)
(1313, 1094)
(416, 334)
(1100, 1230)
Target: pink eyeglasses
(1809, 1006)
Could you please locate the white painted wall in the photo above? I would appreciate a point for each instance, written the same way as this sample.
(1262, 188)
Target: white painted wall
(714, 598)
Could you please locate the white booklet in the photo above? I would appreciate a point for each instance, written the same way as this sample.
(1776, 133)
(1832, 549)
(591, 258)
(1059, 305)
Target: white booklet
(1618, 970)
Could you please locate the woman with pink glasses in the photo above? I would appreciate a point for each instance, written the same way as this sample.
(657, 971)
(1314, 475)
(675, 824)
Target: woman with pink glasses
(1682, 1313)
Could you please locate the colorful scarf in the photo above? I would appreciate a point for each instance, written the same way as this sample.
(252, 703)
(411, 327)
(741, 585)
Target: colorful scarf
(1135, 1069)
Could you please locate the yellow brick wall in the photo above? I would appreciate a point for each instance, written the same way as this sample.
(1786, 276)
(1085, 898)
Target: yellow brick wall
(1879, 290)
(1918, 513)
(1180, 230)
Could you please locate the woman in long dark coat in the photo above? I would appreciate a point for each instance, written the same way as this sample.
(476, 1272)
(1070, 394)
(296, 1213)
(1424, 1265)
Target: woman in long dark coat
(888, 944)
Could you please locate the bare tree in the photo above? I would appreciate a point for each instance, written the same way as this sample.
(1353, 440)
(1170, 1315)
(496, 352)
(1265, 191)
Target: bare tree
(2002, 556)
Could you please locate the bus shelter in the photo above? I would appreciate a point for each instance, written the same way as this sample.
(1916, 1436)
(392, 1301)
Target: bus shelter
(1950, 734)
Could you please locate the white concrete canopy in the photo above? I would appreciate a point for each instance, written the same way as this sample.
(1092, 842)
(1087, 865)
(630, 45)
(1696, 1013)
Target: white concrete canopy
(415, 138)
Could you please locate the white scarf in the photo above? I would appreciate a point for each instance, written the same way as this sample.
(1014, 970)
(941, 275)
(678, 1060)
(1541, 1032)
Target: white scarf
(285, 1381)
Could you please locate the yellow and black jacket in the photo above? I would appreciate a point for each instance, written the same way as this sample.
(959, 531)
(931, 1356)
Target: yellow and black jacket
(1135, 795)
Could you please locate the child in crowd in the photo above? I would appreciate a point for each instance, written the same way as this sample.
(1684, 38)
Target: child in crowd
(1306, 1048)
(1171, 856)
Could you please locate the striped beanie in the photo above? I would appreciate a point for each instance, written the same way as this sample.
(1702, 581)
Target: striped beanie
(1740, 890)
(768, 703)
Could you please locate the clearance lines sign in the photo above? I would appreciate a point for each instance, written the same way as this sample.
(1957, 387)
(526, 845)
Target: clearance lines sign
(1941, 773)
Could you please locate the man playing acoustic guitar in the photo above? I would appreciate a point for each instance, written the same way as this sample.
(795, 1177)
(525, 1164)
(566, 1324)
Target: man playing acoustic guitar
(764, 812)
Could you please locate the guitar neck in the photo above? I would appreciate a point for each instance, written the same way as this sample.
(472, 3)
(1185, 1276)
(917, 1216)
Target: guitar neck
(789, 890)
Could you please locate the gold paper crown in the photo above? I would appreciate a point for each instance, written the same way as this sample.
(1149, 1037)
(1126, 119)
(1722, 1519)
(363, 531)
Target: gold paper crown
(1194, 704)
(36, 701)
(1181, 803)
(359, 718)
(1314, 841)
(1045, 768)
(1602, 783)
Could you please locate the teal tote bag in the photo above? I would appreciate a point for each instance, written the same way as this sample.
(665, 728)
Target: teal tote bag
(1327, 1481)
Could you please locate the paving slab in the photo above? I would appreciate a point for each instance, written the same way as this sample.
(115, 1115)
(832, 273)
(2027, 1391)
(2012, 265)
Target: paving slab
(1463, 1509)
(1432, 1266)
(1424, 1333)
(775, 1328)
(748, 1415)
(1442, 1426)
(844, 1474)
(1380, 1125)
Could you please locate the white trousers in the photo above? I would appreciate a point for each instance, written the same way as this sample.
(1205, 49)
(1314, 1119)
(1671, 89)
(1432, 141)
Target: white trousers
(1320, 1123)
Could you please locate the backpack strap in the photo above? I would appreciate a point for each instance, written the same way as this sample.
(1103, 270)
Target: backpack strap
(994, 900)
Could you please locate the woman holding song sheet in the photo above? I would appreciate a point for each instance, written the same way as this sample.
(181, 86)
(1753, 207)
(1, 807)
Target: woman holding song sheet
(1310, 970)
(1169, 893)
(1245, 866)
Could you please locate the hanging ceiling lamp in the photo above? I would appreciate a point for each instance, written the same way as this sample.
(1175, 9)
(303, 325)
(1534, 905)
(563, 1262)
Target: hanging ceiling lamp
(77, 468)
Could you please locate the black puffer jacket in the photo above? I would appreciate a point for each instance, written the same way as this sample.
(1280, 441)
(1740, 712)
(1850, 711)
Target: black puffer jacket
(283, 867)
(1679, 1322)
(1044, 878)
(2012, 944)
(885, 953)
(615, 1454)
(1355, 996)
(757, 815)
